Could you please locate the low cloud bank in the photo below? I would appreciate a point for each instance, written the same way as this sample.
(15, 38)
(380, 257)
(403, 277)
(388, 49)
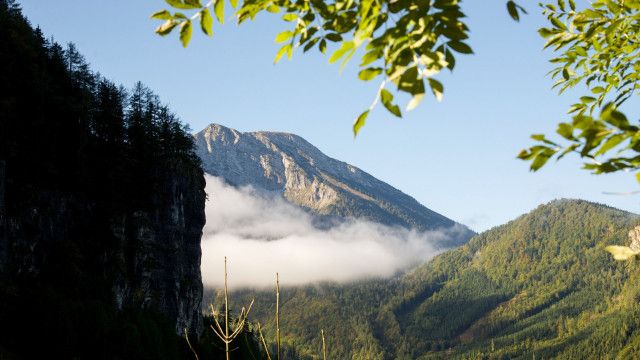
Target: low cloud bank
(263, 234)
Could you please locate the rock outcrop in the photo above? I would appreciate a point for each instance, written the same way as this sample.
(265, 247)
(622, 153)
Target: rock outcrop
(165, 260)
(143, 259)
(289, 165)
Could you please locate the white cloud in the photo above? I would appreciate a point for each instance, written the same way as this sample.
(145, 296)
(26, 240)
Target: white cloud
(262, 234)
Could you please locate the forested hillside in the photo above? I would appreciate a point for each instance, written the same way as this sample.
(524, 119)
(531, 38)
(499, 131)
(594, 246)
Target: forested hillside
(101, 209)
(539, 285)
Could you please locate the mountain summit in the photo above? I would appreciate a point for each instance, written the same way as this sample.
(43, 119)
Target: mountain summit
(289, 165)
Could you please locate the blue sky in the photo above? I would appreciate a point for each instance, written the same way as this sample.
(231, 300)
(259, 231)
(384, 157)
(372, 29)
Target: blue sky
(456, 157)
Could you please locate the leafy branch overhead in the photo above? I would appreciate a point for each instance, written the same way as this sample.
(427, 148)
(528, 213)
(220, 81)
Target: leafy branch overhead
(598, 51)
(405, 43)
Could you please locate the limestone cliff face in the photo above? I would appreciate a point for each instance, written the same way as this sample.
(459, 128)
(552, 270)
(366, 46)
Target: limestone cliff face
(3, 224)
(136, 258)
(160, 250)
(289, 165)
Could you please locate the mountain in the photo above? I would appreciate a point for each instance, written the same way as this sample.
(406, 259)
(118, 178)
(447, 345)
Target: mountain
(289, 165)
(539, 286)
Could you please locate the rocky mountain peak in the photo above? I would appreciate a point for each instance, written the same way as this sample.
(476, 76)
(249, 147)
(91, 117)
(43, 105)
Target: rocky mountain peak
(289, 165)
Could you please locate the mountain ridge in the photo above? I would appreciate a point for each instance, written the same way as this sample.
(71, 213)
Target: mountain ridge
(291, 166)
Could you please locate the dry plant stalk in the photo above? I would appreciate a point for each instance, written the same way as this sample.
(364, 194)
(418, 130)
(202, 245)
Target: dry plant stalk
(240, 322)
(186, 336)
(324, 348)
(264, 343)
(278, 315)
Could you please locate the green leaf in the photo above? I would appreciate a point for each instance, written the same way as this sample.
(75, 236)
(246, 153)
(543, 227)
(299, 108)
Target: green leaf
(436, 88)
(359, 123)
(162, 15)
(539, 162)
(621, 252)
(289, 52)
(289, 17)
(542, 138)
(371, 56)
(524, 154)
(545, 33)
(415, 101)
(576, 108)
(285, 49)
(612, 142)
(187, 5)
(369, 74)
(562, 5)
(387, 100)
(310, 44)
(460, 47)
(566, 131)
(322, 46)
(218, 9)
(408, 80)
(333, 37)
(185, 32)
(206, 21)
(513, 10)
(450, 59)
(166, 27)
(340, 52)
(284, 36)
(558, 23)
(234, 3)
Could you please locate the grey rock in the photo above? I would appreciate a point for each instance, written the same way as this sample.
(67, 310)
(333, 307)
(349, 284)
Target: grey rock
(290, 166)
(148, 259)
(3, 240)
(165, 265)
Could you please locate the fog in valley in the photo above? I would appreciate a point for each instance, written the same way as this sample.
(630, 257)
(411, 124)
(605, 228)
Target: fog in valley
(262, 234)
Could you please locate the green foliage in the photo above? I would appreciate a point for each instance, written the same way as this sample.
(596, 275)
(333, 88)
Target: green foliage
(597, 50)
(515, 10)
(408, 43)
